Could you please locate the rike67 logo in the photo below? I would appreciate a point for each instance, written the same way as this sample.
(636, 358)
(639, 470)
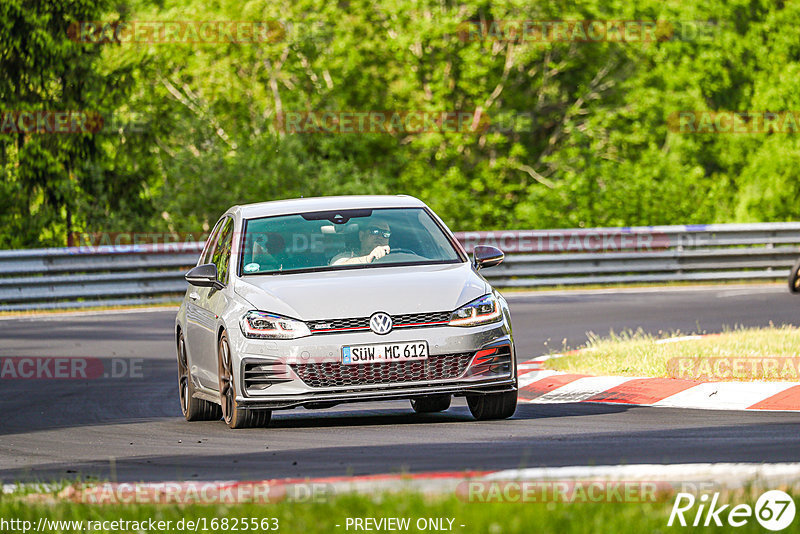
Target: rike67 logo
(774, 510)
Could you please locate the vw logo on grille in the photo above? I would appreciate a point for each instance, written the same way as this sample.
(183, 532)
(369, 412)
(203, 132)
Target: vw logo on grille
(380, 323)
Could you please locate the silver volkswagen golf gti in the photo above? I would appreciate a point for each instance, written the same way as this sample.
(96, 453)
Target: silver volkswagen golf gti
(321, 301)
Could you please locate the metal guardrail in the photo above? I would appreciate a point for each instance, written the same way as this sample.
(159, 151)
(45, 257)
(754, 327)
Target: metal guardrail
(134, 274)
(94, 276)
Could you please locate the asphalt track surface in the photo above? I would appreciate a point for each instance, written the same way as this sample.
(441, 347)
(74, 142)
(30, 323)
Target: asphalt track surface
(130, 429)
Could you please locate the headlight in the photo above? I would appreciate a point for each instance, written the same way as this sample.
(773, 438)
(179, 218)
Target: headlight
(481, 311)
(257, 324)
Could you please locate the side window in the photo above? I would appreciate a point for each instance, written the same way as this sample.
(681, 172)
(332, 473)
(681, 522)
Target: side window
(205, 257)
(221, 257)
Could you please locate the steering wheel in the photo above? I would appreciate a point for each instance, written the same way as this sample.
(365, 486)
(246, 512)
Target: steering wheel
(393, 251)
(402, 251)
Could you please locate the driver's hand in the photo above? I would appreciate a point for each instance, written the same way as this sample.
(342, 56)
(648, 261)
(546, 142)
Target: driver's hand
(378, 252)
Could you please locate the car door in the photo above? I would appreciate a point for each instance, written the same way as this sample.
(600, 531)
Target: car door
(217, 299)
(201, 342)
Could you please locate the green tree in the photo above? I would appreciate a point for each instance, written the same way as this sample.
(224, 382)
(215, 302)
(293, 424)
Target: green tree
(56, 184)
(578, 131)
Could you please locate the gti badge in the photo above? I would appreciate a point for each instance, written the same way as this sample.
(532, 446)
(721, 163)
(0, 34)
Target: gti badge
(380, 323)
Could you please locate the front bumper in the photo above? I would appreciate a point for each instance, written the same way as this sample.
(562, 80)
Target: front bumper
(293, 392)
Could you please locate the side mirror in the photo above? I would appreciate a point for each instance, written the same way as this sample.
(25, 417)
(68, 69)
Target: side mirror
(484, 256)
(204, 276)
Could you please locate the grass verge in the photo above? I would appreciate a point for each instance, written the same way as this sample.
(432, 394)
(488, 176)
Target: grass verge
(332, 515)
(743, 354)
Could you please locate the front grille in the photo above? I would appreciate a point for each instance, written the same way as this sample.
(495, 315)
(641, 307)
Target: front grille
(416, 318)
(319, 327)
(334, 326)
(333, 374)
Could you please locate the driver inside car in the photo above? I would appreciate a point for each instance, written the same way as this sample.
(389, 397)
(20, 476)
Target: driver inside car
(374, 240)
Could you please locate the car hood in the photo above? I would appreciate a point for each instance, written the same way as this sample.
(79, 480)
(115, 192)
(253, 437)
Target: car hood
(362, 292)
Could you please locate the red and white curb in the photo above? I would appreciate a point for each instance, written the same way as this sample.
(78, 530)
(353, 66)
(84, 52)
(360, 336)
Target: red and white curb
(541, 386)
(679, 477)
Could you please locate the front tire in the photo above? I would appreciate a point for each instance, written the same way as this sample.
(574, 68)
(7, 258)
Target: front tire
(234, 415)
(794, 278)
(436, 403)
(192, 409)
(493, 405)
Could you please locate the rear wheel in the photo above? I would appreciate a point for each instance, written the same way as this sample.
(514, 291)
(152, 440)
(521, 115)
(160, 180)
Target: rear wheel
(493, 405)
(193, 409)
(436, 403)
(794, 278)
(234, 415)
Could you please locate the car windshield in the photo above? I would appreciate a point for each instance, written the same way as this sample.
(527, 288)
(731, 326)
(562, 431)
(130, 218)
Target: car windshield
(332, 240)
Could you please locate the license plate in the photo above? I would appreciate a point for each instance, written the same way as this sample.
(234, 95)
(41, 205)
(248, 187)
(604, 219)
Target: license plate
(385, 352)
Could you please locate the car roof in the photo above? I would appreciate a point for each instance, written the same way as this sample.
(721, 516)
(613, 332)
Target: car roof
(303, 205)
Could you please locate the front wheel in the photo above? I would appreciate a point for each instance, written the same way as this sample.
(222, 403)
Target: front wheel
(493, 405)
(794, 278)
(234, 415)
(192, 409)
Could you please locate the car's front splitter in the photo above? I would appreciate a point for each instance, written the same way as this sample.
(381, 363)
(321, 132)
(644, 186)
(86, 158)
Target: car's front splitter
(327, 399)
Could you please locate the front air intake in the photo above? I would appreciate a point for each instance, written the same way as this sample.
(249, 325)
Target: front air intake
(491, 361)
(260, 375)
